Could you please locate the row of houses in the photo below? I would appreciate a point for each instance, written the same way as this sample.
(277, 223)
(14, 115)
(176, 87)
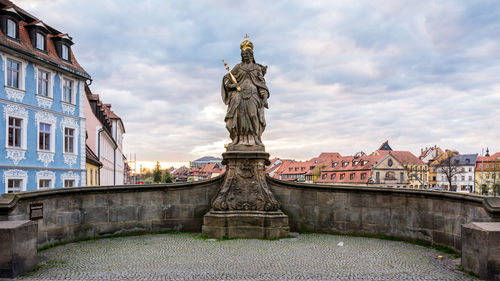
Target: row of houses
(56, 132)
(385, 167)
(200, 169)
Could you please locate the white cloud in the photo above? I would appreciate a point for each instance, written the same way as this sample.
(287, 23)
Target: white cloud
(344, 75)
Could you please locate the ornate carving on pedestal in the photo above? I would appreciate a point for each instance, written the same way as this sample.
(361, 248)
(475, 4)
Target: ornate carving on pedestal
(245, 186)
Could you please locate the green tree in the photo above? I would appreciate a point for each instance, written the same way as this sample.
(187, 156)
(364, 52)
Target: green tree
(167, 177)
(157, 173)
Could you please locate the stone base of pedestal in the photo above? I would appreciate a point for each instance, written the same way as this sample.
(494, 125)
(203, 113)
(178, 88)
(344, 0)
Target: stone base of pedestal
(481, 249)
(18, 253)
(245, 224)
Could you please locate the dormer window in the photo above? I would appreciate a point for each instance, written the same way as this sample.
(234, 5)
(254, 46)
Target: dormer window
(355, 163)
(11, 28)
(40, 41)
(334, 164)
(345, 164)
(65, 52)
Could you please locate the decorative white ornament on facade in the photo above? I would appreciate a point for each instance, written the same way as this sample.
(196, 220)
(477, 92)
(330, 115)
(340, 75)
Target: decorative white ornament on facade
(69, 122)
(44, 116)
(14, 173)
(46, 175)
(70, 176)
(15, 155)
(15, 111)
(46, 157)
(69, 159)
(68, 108)
(44, 102)
(14, 95)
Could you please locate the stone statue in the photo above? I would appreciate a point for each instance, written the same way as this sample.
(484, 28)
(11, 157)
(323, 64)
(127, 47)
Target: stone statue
(245, 93)
(244, 205)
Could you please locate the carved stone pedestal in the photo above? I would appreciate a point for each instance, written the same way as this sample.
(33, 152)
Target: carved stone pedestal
(245, 224)
(244, 206)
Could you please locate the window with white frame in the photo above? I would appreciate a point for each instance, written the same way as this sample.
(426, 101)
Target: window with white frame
(69, 183)
(65, 52)
(15, 180)
(13, 73)
(40, 41)
(14, 185)
(15, 138)
(44, 183)
(44, 136)
(69, 140)
(11, 28)
(43, 83)
(68, 91)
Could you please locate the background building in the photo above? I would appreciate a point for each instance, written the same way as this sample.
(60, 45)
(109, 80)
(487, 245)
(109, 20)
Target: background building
(105, 138)
(487, 173)
(460, 170)
(204, 161)
(41, 96)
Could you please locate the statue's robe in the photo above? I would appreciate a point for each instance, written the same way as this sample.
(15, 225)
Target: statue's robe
(245, 119)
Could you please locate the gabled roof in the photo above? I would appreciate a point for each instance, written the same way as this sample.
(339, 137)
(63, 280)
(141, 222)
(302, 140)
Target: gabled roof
(25, 47)
(404, 157)
(385, 146)
(491, 158)
(464, 159)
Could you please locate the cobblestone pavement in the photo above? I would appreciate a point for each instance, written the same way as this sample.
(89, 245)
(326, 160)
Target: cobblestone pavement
(188, 257)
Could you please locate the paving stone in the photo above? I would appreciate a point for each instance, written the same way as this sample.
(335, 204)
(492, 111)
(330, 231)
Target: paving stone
(184, 257)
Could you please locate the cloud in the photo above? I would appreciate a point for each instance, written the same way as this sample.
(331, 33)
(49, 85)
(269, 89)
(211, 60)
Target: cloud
(344, 75)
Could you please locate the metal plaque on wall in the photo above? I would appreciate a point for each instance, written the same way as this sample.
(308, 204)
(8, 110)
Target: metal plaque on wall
(36, 211)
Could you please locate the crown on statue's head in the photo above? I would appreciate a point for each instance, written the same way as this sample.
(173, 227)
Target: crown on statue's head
(246, 44)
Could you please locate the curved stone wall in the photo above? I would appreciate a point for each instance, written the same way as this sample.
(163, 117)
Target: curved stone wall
(431, 216)
(73, 213)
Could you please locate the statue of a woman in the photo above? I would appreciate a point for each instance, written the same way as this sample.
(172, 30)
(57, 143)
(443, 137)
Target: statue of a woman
(246, 99)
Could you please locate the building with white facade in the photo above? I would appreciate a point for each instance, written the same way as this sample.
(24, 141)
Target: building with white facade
(461, 181)
(41, 99)
(105, 132)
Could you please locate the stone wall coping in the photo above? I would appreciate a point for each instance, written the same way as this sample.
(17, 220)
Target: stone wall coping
(14, 224)
(491, 204)
(484, 226)
(7, 201)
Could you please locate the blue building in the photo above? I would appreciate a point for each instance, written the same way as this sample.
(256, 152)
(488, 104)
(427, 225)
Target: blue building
(42, 139)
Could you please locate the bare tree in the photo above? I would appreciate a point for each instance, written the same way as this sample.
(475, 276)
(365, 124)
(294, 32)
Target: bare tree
(450, 167)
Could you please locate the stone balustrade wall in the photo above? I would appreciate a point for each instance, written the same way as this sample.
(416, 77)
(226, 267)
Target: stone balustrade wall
(74, 213)
(430, 216)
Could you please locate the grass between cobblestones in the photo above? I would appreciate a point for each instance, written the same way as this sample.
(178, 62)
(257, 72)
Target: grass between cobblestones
(468, 273)
(108, 236)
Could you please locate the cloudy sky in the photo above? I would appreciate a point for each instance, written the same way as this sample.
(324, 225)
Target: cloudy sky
(343, 75)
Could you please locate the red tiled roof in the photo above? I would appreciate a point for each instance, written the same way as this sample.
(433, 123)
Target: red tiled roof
(25, 46)
(493, 158)
(283, 167)
(405, 157)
